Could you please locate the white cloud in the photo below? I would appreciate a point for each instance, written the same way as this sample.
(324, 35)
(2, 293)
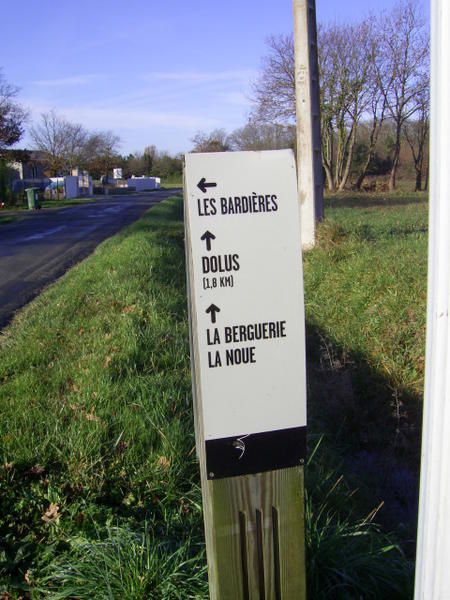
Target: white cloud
(123, 118)
(63, 81)
(201, 76)
(100, 118)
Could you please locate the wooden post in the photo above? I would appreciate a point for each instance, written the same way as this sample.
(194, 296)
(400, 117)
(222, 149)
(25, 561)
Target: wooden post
(248, 369)
(309, 158)
(256, 536)
(433, 543)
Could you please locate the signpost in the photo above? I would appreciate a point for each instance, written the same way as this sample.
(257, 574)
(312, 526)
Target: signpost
(245, 285)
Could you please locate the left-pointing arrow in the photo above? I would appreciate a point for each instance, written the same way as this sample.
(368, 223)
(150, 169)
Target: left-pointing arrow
(213, 309)
(202, 185)
(207, 237)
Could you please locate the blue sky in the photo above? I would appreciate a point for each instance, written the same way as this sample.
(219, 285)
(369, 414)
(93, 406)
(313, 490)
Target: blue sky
(153, 71)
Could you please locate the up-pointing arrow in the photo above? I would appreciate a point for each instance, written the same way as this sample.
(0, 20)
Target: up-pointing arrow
(207, 237)
(202, 185)
(213, 309)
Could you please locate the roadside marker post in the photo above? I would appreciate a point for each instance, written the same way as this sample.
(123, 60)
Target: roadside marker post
(432, 578)
(246, 315)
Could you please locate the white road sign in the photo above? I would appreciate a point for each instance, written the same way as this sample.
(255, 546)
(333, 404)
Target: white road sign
(246, 309)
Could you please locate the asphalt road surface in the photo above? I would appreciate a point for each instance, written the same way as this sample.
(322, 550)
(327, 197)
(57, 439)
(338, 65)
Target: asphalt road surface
(39, 248)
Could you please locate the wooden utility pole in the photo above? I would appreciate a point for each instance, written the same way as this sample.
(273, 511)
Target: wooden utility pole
(433, 543)
(247, 336)
(309, 157)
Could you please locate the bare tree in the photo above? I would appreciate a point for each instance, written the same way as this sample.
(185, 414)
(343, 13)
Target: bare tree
(274, 91)
(377, 111)
(60, 141)
(12, 115)
(99, 152)
(256, 135)
(66, 145)
(369, 72)
(416, 134)
(345, 66)
(401, 65)
(216, 141)
(345, 69)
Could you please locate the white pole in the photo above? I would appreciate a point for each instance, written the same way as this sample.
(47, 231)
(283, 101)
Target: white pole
(309, 162)
(433, 542)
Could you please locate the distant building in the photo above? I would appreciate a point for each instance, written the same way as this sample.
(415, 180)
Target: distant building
(144, 183)
(26, 169)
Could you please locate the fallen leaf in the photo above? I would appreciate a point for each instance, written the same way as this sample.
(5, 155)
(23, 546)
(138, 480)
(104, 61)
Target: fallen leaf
(27, 576)
(36, 470)
(128, 309)
(107, 362)
(163, 462)
(90, 415)
(52, 514)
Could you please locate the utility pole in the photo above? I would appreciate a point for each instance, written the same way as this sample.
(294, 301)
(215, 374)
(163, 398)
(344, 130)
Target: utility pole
(309, 160)
(433, 542)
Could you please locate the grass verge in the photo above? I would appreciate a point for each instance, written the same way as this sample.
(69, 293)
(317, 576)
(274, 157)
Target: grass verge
(170, 186)
(365, 291)
(57, 203)
(6, 219)
(99, 486)
(96, 425)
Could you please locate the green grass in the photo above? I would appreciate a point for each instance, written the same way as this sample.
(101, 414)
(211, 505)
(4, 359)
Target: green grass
(365, 298)
(69, 202)
(171, 185)
(4, 220)
(57, 203)
(99, 485)
(95, 403)
(371, 267)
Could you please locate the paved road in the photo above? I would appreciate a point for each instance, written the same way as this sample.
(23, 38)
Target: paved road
(44, 244)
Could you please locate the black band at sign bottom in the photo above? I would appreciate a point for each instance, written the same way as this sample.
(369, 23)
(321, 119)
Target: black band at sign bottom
(247, 454)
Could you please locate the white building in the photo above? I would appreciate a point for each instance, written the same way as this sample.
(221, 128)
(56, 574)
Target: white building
(143, 183)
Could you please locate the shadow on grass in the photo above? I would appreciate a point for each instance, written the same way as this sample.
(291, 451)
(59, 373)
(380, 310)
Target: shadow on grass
(371, 429)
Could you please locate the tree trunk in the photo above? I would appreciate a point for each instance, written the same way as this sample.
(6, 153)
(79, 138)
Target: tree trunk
(328, 153)
(393, 173)
(376, 128)
(350, 148)
(425, 187)
(362, 174)
(418, 181)
(396, 159)
(329, 176)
